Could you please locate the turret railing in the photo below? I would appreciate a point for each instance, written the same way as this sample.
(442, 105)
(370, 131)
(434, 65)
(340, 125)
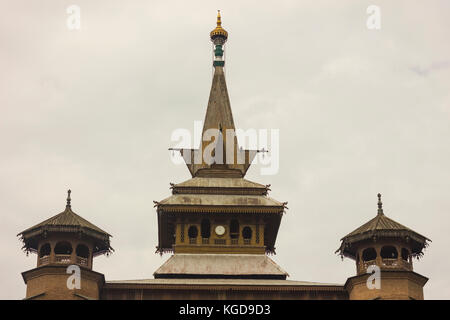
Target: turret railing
(386, 263)
(82, 261)
(63, 259)
(366, 264)
(44, 260)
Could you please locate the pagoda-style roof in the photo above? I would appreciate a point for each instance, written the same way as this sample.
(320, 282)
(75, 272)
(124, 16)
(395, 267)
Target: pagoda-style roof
(382, 227)
(201, 195)
(220, 183)
(228, 192)
(66, 222)
(218, 167)
(220, 200)
(219, 118)
(243, 266)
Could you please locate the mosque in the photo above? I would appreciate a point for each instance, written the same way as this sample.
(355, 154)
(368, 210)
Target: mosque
(219, 229)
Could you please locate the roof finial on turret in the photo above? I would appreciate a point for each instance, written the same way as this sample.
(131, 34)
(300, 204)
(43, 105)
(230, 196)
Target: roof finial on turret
(68, 198)
(380, 204)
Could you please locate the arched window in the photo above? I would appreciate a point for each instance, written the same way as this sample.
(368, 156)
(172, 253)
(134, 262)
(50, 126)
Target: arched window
(247, 233)
(63, 247)
(389, 252)
(405, 254)
(369, 254)
(234, 229)
(192, 232)
(45, 250)
(205, 228)
(82, 251)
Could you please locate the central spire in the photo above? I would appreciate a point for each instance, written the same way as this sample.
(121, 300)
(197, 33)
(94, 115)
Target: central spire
(219, 154)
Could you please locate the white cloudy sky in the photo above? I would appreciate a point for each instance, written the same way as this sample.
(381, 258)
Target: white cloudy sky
(359, 111)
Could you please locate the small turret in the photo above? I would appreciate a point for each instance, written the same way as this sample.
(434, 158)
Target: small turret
(390, 246)
(64, 240)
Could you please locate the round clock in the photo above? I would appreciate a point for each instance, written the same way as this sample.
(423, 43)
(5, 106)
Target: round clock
(220, 230)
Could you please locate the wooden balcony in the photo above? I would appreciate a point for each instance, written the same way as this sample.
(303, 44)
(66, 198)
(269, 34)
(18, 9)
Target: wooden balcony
(82, 261)
(63, 258)
(44, 260)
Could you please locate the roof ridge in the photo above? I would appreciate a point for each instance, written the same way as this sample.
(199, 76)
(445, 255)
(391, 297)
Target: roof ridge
(77, 221)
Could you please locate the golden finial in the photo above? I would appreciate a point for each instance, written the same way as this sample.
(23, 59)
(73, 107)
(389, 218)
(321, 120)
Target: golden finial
(219, 21)
(219, 33)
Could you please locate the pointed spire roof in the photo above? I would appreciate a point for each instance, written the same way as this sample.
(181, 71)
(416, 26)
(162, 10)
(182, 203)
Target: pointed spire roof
(218, 113)
(69, 222)
(217, 155)
(382, 227)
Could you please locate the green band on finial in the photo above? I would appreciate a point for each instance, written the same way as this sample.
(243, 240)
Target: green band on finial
(218, 52)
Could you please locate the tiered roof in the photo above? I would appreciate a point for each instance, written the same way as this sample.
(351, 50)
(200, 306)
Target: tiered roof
(382, 227)
(66, 222)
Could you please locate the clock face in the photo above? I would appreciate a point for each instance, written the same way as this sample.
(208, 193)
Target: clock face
(220, 230)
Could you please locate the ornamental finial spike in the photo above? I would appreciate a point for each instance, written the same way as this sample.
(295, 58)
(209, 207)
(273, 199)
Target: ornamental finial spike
(380, 204)
(219, 21)
(68, 198)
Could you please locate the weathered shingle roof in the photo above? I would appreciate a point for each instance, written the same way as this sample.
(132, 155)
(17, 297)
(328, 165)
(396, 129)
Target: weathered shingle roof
(382, 227)
(66, 221)
(67, 218)
(220, 200)
(201, 182)
(229, 282)
(380, 223)
(220, 265)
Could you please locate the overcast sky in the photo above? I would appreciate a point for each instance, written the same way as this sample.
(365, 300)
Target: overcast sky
(359, 111)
